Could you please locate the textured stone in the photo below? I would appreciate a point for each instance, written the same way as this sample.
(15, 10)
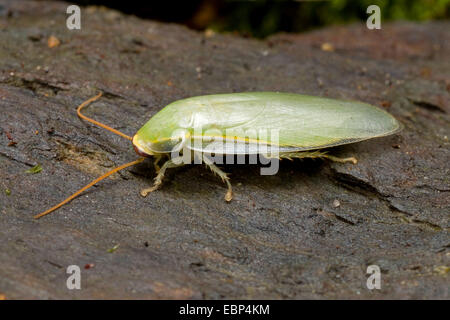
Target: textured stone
(281, 237)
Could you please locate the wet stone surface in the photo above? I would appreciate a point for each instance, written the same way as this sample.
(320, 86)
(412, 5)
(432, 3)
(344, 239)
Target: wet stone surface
(308, 232)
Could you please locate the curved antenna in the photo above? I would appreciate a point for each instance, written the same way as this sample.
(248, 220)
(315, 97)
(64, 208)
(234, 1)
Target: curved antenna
(104, 126)
(129, 164)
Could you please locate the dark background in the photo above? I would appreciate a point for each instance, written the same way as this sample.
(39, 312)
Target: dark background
(261, 18)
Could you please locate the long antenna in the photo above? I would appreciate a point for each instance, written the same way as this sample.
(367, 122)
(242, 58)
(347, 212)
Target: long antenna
(129, 164)
(80, 107)
(104, 126)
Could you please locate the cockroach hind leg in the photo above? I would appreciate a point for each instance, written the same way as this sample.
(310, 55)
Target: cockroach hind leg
(302, 155)
(316, 154)
(342, 160)
(158, 179)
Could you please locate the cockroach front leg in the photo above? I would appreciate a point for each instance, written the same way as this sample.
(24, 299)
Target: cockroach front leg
(172, 163)
(156, 161)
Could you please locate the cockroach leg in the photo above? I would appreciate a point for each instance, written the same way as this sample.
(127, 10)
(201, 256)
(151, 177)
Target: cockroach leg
(341, 160)
(316, 154)
(155, 163)
(172, 163)
(222, 175)
(302, 155)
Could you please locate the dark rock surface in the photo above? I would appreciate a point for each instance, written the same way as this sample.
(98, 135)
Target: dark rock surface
(281, 237)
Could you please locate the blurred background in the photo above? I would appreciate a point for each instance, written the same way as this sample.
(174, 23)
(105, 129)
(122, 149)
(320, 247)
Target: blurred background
(261, 18)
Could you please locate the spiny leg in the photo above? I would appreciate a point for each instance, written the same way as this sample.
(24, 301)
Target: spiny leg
(222, 175)
(315, 154)
(172, 163)
(341, 160)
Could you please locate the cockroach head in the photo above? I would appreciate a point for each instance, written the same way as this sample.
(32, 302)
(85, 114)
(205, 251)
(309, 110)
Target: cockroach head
(139, 150)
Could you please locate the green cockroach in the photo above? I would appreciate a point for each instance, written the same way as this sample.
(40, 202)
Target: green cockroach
(219, 124)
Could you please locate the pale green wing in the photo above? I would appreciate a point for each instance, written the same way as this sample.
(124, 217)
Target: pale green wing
(288, 121)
